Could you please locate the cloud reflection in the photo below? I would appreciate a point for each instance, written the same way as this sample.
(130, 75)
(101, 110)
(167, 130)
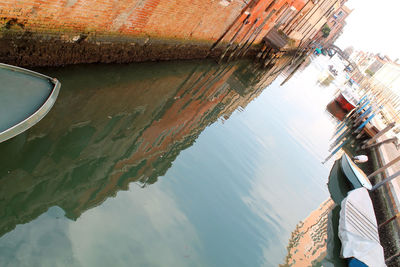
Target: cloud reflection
(151, 231)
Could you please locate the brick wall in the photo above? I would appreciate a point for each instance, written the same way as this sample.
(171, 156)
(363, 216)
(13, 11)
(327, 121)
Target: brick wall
(33, 32)
(183, 19)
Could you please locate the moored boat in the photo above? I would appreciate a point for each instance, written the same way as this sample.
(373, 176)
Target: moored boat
(25, 98)
(344, 177)
(338, 184)
(358, 231)
(346, 100)
(354, 174)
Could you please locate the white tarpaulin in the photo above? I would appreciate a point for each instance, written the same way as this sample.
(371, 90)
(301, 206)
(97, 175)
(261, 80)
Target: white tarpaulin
(358, 230)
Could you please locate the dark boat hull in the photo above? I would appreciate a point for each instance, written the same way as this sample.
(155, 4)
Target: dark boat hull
(338, 184)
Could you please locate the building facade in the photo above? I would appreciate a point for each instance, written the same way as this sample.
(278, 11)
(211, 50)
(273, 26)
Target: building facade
(310, 19)
(33, 32)
(336, 23)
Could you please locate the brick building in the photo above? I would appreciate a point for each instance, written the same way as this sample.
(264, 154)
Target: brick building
(306, 23)
(32, 32)
(336, 23)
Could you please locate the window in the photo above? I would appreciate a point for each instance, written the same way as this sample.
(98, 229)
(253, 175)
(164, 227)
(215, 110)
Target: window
(282, 7)
(270, 5)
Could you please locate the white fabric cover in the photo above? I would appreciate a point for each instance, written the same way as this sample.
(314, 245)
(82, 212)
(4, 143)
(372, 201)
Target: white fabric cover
(358, 229)
(360, 158)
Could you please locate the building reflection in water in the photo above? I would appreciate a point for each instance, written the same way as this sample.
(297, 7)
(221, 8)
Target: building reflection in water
(315, 242)
(114, 125)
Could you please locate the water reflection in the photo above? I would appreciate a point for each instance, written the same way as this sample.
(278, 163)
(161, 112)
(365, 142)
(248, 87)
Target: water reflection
(315, 241)
(308, 241)
(113, 125)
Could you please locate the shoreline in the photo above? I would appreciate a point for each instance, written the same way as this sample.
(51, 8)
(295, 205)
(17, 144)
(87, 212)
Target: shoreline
(51, 50)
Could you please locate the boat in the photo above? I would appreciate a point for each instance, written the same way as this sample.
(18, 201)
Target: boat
(25, 98)
(354, 174)
(338, 184)
(336, 110)
(358, 231)
(344, 177)
(333, 70)
(347, 100)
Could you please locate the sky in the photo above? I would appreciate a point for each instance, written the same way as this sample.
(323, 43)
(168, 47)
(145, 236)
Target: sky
(373, 27)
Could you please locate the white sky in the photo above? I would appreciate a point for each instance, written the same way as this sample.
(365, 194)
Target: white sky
(373, 26)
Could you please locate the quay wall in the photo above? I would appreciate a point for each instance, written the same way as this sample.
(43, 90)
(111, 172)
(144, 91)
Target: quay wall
(59, 32)
(185, 19)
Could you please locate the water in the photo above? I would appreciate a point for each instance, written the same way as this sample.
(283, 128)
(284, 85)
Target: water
(168, 164)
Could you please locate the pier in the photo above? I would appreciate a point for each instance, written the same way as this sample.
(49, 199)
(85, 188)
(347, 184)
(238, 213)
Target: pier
(363, 132)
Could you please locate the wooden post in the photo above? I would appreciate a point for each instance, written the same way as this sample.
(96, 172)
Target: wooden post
(237, 46)
(258, 31)
(231, 26)
(380, 143)
(340, 137)
(384, 167)
(362, 116)
(241, 46)
(364, 123)
(391, 177)
(266, 53)
(234, 37)
(336, 150)
(259, 55)
(388, 221)
(386, 129)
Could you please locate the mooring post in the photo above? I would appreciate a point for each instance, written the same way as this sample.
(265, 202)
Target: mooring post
(394, 139)
(240, 46)
(245, 21)
(230, 27)
(266, 53)
(262, 50)
(388, 221)
(362, 116)
(259, 30)
(337, 141)
(339, 130)
(384, 167)
(336, 150)
(382, 132)
(364, 123)
(391, 177)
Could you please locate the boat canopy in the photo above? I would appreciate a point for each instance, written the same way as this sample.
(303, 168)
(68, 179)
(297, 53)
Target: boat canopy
(358, 230)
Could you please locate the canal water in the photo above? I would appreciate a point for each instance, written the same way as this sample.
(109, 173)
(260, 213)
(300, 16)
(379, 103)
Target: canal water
(171, 164)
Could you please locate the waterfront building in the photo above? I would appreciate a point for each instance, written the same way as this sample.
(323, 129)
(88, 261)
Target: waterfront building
(311, 19)
(378, 62)
(381, 77)
(335, 23)
(363, 60)
(32, 34)
(388, 75)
